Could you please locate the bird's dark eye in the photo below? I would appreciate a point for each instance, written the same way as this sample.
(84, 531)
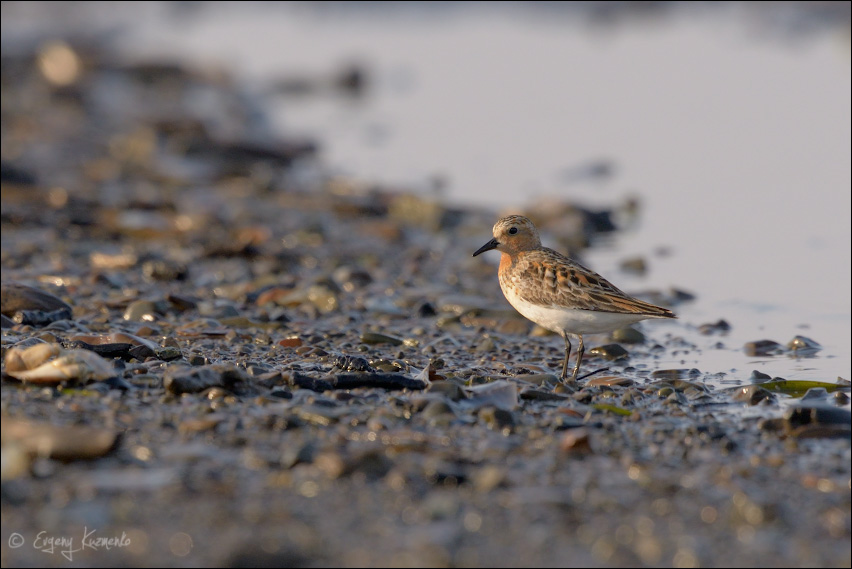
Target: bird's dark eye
(513, 230)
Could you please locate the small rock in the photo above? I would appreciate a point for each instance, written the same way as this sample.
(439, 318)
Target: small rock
(817, 415)
(372, 463)
(719, 327)
(352, 278)
(426, 309)
(449, 389)
(321, 415)
(41, 317)
(675, 398)
(141, 310)
(324, 297)
(635, 265)
(774, 425)
(753, 394)
(759, 377)
(352, 363)
(180, 379)
(513, 326)
(15, 297)
(532, 394)
(488, 478)
(299, 453)
(818, 421)
(166, 353)
(763, 348)
(182, 302)
(610, 352)
(377, 338)
(437, 408)
(611, 381)
(576, 441)
(429, 373)
(628, 335)
(665, 391)
(679, 296)
(201, 424)
(330, 463)
(673, 374)
(163, 270)
(389, 381)
(501, 393)
(803, 346)
(815, 393)
(497, 419)
(60, 442)
(631, 397)
(292, 342)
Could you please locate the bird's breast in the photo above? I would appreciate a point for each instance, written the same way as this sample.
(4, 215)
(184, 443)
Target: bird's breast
(505, 263)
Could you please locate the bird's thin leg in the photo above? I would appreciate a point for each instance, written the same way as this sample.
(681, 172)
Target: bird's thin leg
(567, 353)
(580, 351)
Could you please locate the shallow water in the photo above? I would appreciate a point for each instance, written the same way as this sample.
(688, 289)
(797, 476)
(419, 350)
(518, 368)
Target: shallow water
(731, 128)
(257, 416)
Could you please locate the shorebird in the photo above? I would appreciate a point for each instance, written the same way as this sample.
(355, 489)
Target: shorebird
(559, 293)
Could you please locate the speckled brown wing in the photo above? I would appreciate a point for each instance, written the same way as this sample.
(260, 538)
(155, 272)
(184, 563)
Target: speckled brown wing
(552, 279)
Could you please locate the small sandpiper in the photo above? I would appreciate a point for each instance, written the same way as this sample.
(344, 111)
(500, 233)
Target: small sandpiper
(557, 293)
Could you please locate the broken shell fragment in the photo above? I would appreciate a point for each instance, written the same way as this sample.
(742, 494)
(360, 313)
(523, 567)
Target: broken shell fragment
(34, 365)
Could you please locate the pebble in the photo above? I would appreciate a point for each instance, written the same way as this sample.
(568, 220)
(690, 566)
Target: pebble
(675, 374)
(628, 335)
(611, 352)
(438, 409)
(60, 442)
(497, 419)
(576, 442)
(718, 327)
(759, 377)
(815, 394)
(501, 394)
(532, 394)
(815, 414)
(611, 381)
(763, 348)
(141, 310)
(803, 346)
(634, 265)
(162, 270)
(448, 389)
(183, 379)
(753, 394)
(40, 317)
(16, 297)
(373, 338)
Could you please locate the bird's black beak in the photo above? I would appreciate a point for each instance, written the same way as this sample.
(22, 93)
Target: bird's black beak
(487, 247)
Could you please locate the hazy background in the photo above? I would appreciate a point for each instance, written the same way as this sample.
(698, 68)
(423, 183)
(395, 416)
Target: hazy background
(729, 122)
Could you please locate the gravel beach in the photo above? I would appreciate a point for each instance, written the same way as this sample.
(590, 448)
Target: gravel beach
(216, 353)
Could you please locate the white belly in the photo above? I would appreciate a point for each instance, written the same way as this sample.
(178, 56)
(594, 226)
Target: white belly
(573, 321)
